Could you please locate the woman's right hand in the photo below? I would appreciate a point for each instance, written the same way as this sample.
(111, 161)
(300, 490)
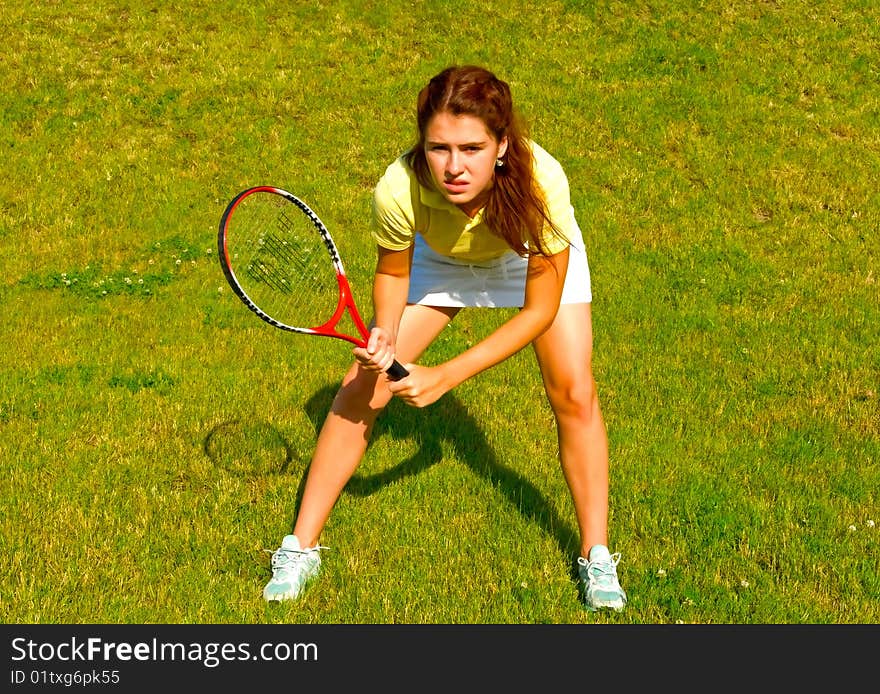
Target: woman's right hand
(379, 354)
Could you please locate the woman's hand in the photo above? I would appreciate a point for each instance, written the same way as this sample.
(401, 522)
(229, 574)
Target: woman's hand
(378, 355)
(423, 386)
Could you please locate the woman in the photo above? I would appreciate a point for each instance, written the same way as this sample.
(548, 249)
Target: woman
(475, 214)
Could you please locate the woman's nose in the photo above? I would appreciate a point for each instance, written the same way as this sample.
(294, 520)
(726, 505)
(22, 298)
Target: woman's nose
(453, 165)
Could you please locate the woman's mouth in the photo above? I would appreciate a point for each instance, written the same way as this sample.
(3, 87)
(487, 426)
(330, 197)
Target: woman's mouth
(455, 186)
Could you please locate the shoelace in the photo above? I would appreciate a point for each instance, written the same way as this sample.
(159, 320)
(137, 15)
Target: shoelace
(602, 571)
(288, 558)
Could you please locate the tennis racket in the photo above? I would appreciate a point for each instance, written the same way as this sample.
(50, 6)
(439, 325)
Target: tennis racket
(281, 261)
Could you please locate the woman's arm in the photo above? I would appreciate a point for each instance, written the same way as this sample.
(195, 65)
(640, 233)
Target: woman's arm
(544, 282)
(390, 288)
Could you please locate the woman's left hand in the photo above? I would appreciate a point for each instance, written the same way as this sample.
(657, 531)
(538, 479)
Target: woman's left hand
(423, 386)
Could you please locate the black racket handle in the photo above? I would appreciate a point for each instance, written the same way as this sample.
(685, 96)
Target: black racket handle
(396, 371)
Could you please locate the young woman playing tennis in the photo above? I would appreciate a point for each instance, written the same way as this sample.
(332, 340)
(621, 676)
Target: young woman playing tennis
(474, 215)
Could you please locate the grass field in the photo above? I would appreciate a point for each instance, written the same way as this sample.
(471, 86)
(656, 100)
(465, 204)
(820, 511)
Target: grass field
(723, 162)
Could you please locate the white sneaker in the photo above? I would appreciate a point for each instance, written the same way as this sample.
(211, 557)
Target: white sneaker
(292, 568)
(599, 578)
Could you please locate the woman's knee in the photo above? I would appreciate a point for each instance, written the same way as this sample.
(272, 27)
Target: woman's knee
(362, 390)
(573, 397)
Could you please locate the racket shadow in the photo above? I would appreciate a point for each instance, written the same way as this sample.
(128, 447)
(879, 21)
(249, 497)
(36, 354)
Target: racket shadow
(452, 425)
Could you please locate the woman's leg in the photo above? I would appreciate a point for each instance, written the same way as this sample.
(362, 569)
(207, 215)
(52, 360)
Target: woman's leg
(564, 355)
(345, 433)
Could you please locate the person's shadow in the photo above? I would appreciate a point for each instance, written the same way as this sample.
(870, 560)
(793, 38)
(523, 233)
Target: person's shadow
(447, 420)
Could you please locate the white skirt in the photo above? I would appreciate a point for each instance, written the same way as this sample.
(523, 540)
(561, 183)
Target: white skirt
(438, 280)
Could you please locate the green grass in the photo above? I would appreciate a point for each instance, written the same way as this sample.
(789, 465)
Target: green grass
(154, 434)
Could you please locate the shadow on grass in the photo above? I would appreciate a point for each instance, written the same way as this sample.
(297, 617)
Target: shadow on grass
(248, 447)
(448, 420)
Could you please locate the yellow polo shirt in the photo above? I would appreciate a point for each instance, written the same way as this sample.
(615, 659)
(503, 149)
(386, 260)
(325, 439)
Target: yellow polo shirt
(402, 207)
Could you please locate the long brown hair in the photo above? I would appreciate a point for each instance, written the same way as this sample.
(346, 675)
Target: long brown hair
(516, 209)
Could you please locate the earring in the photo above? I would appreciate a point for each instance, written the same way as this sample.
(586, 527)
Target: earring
(499, 162)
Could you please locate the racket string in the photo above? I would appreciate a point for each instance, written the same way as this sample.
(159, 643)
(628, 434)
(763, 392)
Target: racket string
(287, 270)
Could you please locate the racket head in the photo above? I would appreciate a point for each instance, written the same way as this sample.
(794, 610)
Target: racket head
(281, 261)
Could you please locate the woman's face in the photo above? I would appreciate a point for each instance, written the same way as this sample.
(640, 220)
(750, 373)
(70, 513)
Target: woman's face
(461, 154)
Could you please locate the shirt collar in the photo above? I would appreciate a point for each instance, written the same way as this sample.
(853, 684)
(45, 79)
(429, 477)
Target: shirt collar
(435, 199)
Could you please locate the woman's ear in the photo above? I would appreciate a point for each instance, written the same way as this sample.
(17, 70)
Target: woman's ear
(502, 147)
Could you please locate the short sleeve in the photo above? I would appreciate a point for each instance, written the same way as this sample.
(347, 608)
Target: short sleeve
(393, 218)
(554, 183)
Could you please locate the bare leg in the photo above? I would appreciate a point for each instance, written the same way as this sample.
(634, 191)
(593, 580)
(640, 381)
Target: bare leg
(345, 433)
(564, 355)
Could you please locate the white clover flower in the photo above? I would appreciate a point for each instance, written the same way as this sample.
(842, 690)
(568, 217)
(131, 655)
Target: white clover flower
(744, 583)
(870, 523)
(851, 528)
(661, 573)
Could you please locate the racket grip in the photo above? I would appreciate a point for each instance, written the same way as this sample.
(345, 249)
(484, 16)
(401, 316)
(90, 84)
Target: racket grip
(396, 371)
